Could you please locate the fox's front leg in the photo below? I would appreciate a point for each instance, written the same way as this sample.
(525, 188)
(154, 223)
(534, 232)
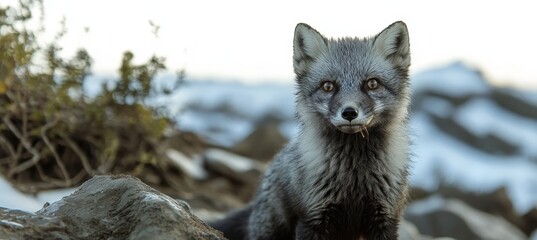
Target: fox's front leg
(384, 232)
(266, 221)
(382, 225)
(304, 232)
(261, 225)
(315, 225)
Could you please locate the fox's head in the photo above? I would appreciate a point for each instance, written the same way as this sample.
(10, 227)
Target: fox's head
(352, 83)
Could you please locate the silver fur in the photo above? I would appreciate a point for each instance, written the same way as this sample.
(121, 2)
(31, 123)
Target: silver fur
(339, 178)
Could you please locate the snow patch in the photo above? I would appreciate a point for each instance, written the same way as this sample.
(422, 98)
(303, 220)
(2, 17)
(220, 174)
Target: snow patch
(223, 129)
(225, 113)
(456, 79)
(233, 161)
(192, 166)
(481, 116)
(428, 205)
(14, 224)
(438, 106)
(153, 197)
(13, 199)
(55, 195)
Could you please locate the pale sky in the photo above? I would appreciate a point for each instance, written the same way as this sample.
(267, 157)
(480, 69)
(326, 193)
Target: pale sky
(252, 40)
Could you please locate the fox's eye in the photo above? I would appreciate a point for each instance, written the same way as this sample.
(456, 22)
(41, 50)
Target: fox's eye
(372, 84)
(327, 86)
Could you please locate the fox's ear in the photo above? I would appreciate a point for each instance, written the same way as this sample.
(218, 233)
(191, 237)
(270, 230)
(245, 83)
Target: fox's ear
(308, 45)
(393, 43)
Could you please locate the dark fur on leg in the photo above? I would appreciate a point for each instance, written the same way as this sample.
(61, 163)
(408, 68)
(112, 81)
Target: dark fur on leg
(304, 232)
(234, 226)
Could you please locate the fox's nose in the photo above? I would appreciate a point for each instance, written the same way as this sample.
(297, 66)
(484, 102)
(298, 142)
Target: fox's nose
(349, 114)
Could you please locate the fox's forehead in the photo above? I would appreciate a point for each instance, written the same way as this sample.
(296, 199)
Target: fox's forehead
(352, 58)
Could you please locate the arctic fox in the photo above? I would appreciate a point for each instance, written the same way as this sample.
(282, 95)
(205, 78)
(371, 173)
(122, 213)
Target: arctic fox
(345, 175)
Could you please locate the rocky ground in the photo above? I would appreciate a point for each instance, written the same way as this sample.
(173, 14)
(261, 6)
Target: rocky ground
(447, 212)
(122, 207)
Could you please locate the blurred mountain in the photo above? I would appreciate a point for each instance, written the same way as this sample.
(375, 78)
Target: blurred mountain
(461, 103)
(474, 135)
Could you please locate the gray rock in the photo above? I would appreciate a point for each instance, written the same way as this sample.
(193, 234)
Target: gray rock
(263, 143)
(438, 217)
(233, 166)
(490, 143)
(243, 173)
(108, 207)
(495, 202)
(530, 221)
(191, 166)
(408, 231)
(511, 101)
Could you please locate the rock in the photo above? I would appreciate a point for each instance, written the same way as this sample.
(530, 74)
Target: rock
(489, 143)
(215, 206)
(438, 217)
(496, 202)
(243, 173)
(233, 166)
(513, 103)
(15, 224)
(186, 142)
(408, 231)
(417, 193)
(108, 207)
(530, 221)
(263, 143)
(422, 99)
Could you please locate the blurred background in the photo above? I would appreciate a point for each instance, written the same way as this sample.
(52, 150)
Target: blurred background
(195, 98)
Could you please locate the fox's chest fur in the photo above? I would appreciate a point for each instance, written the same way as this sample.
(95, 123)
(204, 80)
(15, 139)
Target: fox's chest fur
(336, 166)
(339, 181)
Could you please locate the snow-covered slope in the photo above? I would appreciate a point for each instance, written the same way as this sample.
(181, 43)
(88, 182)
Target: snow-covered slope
(469, 134)
(225, 112)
